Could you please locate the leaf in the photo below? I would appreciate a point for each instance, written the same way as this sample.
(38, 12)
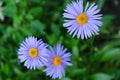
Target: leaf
(101, 76)
(65, 78)
(100, 53)
(17, 21)
(110, 54)
(36, 1)
(79, 71)
(55, 29)
(5, 69)
(101, 3)
(1, 0)
(107, 20)
(9, 31)
(67, 2)
(75, 52)
(36, 24)
(36, 11)
(10, 10)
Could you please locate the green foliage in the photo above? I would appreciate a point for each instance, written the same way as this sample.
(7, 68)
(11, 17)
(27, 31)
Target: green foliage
(101, 76)
(97, 58)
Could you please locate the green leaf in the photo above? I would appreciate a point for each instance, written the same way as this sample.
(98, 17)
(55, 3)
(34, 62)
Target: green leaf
(29, 17)
(17, 37)
(17, 21)
(110, 54)
(101, 76)
(10, 10)
(36, 11)
(65, 78)
(107, 21)
(67, 2)
(5, 69)
(55, 29)
(36, 24)
(101, 3)
(1, 0)
(9, 31)
(100, 53)
(79, 71)
(36, 1)
(75, 52)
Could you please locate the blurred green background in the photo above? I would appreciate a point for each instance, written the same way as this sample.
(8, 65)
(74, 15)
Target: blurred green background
(97, 58)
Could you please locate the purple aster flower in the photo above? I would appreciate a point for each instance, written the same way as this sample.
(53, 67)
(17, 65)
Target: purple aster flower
(82, 22)
(58, 59)
(33, 52)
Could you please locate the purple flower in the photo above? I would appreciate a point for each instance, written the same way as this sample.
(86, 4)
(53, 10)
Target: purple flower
(58, 59)
(82, 22)
(33, 53)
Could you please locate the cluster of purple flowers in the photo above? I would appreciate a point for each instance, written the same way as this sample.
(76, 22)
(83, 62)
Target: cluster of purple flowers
(35, 54)
(81, 22)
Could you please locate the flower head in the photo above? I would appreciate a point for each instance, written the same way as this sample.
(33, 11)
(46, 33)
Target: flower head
(33, 52)
(82, 22)
(58, 59)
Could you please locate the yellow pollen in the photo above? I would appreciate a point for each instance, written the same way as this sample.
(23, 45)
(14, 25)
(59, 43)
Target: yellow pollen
(57, 61)
(82, 18)
(33, 52)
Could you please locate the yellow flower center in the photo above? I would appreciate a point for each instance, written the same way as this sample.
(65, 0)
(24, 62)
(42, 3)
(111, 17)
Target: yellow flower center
(82, 18)
(33, 52)
(57, 61)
